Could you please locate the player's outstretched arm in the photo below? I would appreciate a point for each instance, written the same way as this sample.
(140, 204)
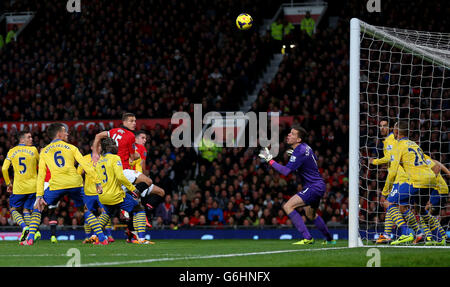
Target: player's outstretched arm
(284, 170)
(85, 165)
(42, 171)
(378, 161)
(440, 167)
(96, 145)
(80, 170)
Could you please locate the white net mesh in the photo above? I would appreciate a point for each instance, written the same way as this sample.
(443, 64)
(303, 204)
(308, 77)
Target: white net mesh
(405, 75)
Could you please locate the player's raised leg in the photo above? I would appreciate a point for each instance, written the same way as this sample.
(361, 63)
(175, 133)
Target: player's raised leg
(151, 198)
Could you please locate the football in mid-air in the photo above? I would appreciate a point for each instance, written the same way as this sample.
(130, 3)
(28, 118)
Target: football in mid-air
(244, 21)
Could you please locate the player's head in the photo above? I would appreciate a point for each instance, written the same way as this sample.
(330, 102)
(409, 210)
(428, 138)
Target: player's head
(108, 146)
(141, 137)
(401, 129)
(384, 127)
(57, 131)
(129, 121)
(296, 135)
(24, 137)
(91, 144)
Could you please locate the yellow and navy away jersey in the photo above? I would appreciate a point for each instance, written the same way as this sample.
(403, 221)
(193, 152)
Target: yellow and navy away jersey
(389, 144)
(400, 178)
(60, 158)
(24, 160)
(89, 181)
(137, 165)
(110, 170)
(441, 185)
(410, 156)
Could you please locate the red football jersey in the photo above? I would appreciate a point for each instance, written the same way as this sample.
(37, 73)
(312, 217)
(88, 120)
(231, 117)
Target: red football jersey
(142, 151)
(125, 140)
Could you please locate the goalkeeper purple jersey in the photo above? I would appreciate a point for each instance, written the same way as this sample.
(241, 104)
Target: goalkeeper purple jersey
(303, 163)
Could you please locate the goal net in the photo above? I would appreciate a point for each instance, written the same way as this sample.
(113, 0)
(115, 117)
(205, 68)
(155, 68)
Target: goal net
(395, 74)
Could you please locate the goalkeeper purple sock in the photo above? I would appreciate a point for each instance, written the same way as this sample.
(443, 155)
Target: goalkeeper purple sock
(320, 224)
(298, 222)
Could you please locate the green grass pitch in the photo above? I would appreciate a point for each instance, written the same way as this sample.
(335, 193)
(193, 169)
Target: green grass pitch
(217, 253)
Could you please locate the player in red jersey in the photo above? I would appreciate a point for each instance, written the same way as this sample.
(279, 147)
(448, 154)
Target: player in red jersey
(125, 140)
(124, 137)
(139, 164)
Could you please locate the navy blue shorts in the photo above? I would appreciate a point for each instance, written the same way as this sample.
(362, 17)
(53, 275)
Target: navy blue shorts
(402, 194)
(22, 200)
(128, 204)
(53, 196)
(92, 202)
(312, 195)
(436, 199)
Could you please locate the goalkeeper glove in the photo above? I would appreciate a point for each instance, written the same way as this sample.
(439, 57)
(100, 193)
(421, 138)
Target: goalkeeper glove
(265, 155)
(289, 152)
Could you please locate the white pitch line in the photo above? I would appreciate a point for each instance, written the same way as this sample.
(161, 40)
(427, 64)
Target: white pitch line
(407, 246)
(200, 257)
(31, 255)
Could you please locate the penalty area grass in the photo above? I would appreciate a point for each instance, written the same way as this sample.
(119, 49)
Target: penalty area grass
(216, 253)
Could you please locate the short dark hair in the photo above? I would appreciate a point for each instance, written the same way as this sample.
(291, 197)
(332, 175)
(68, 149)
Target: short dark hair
(140, 132)
(21, 134)
(390, 123)
(125, 116)
(403, 127)
(108, 146)
(53, 129)
(302, 133)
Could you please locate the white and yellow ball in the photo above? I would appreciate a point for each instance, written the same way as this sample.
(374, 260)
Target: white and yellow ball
(244, 21)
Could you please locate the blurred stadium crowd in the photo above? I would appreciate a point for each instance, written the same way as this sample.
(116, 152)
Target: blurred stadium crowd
(157, 59)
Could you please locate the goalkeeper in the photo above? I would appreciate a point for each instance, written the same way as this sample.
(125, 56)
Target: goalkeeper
(303, 163)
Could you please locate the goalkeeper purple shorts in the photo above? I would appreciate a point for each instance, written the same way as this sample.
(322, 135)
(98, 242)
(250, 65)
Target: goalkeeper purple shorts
(312, 195)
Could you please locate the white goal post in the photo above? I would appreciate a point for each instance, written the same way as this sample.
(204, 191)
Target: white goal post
(385, 64)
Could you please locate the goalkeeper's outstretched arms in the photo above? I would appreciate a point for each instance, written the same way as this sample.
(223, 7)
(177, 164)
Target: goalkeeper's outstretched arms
(284, 170)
